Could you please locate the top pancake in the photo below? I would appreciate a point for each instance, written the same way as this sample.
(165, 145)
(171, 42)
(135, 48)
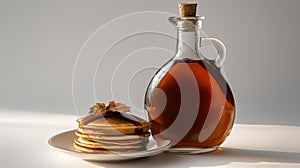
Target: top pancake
(115, 122)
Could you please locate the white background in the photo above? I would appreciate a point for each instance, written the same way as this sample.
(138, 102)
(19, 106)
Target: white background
(40, 40)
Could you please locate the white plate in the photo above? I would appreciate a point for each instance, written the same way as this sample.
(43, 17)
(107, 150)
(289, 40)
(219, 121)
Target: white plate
(64, 143)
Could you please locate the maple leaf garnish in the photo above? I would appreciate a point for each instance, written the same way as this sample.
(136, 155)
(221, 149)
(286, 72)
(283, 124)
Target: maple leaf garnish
(100, 108)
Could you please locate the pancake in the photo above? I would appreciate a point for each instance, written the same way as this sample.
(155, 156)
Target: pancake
(122, 137)
(115, 123)
(92, 144)
(107, 130)
(121, 143)
(100, 150)
(112, 132)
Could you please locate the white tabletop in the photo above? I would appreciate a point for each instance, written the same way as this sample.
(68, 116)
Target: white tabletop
(24, 137)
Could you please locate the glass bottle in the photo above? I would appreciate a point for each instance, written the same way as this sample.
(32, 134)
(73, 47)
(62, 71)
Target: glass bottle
(188, 101)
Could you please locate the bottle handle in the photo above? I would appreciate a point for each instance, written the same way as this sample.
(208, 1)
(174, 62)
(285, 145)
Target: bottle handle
(220, 47)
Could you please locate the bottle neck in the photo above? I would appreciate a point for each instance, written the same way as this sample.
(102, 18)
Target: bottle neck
(188, 44)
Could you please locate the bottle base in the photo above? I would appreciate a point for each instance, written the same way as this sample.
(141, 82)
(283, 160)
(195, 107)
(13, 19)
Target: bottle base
(194, 150)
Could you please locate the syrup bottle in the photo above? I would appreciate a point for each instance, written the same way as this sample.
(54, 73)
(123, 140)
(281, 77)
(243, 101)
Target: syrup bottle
(188, 101)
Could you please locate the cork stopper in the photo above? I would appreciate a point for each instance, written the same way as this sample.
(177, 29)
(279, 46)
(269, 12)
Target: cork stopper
(187, 9)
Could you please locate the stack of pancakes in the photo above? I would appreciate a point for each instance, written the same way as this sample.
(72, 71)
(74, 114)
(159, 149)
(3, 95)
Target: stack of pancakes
(114, 132)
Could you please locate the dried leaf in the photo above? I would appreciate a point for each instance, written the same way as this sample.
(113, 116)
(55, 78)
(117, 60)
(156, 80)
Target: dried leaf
(100, 108)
